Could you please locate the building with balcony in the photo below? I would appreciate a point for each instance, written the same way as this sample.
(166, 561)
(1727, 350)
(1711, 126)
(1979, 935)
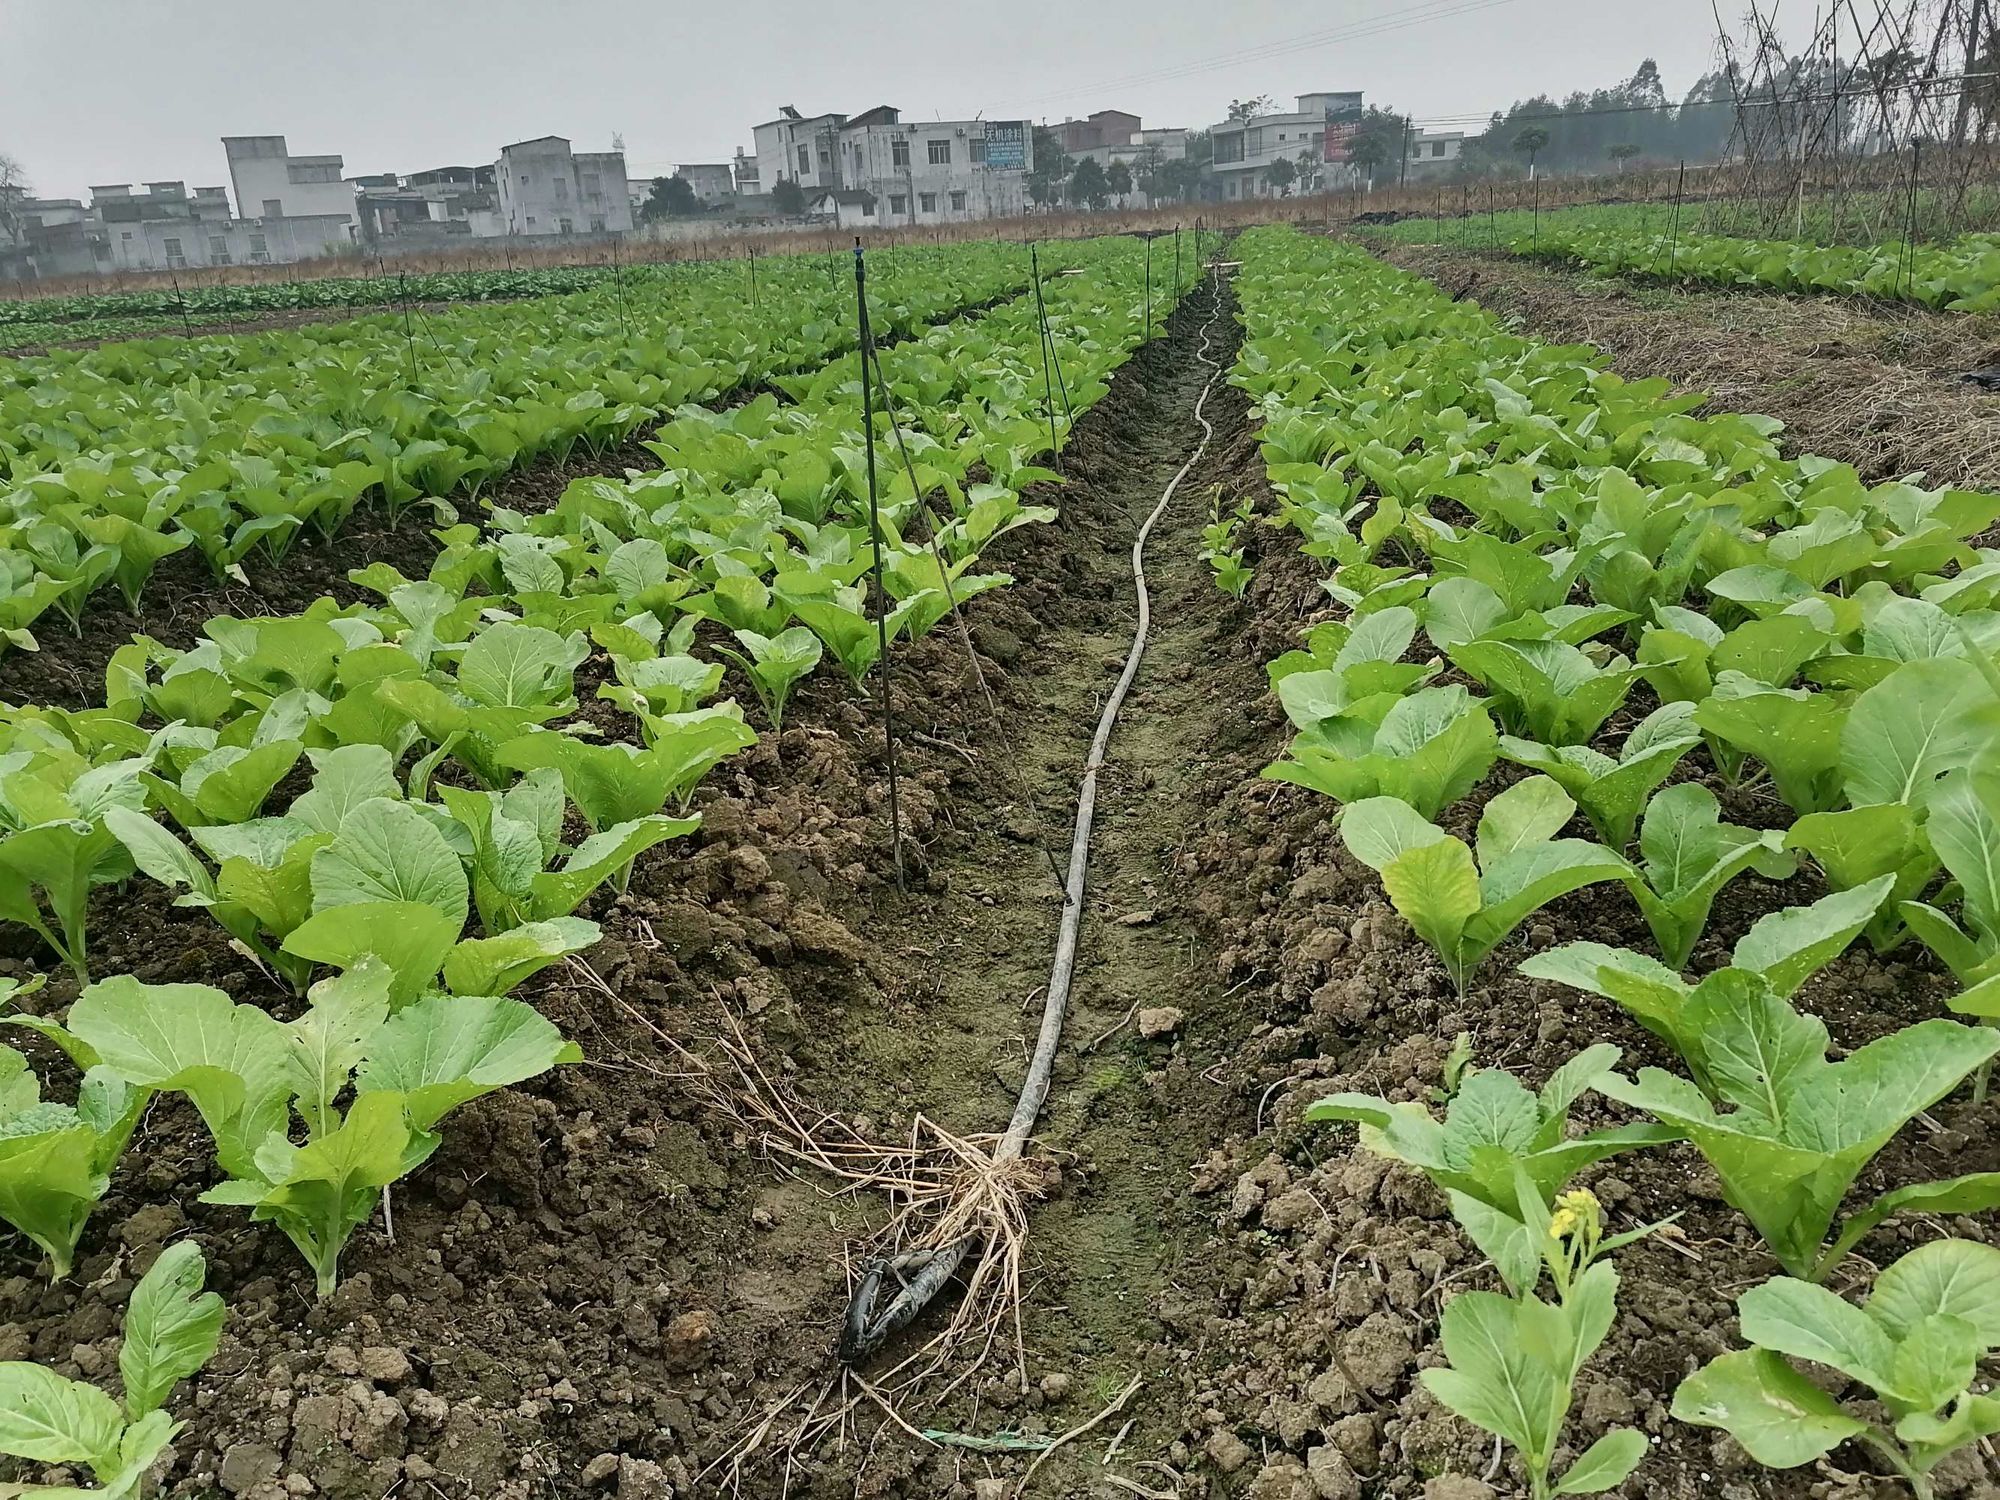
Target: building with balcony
(874, 170)
(1314, 135)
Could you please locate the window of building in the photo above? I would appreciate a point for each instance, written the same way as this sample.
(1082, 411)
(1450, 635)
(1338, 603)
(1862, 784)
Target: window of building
(1437, 148)
(274, 208)
(899, 154)
(979, 151)
(899, 203)
(597, 226)
(867, 208)
(567, 226)
(524, 179)
(260, 250)
(940, 152)
(1253, 141)
(562, 187)
(125, 235)
(825, 160)
(531, 221)
(958, 203)
(927, 202)
(218, 250)
(590, 183)
(805, 160)
(174, 257)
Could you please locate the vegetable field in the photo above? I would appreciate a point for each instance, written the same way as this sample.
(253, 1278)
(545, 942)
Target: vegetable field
(531, 843)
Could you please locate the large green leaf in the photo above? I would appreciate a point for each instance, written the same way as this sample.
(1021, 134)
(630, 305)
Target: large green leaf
(1781, 1418)
(442, 1051)
(172, 1328)
(389, 852)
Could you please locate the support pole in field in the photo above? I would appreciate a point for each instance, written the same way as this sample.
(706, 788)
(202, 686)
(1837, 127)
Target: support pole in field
(1674, 241)
(618, 280)
(1910, 218)
(181, 303)
(1149, 290)
(1177, 260)
(753, 275)
(1537, 240)
(409, 331)
(875, 539)
(1048, 377)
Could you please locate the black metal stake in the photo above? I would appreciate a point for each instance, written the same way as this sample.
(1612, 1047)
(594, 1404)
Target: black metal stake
(181, 303)
(875, 538)
(1048, 379)
(409, 333)
(618, 280)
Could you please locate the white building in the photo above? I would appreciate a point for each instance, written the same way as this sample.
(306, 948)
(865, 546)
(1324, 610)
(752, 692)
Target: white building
(1318, 130)
(1434, 152)
(270, 183)
(545, 188)
(166, 228)
(872, 169)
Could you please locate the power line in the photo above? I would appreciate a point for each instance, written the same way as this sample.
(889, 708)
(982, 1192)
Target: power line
(1435, 10)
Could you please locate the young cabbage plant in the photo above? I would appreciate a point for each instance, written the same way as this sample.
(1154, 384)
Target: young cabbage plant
(55, 1160)
(1687, 855)
(670, 684)
(1512, 1364)
(247, 1073)
(1797, 1129)
(1611, 792)
(511, 678)
(1859, 845)
(1498, 1144)
(774, 664)
(1963, 829)
(55, 847)
(1464, 908)
(615, 783)
(1548, 690)
(1365, 656)
(1779, 953)
(1930, 1320)
(1795, 733)
(172, 1328)
(1428, 749)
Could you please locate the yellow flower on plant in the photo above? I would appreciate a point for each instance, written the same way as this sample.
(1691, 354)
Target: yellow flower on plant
(1575, 1210)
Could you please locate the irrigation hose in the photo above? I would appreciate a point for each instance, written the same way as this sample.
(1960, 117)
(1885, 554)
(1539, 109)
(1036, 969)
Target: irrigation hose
(922, 1274)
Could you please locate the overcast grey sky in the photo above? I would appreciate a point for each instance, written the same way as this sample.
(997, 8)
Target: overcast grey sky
(100, 91)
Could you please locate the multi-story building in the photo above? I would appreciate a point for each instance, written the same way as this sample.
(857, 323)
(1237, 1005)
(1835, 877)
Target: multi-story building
(712, 181)
(166, 228)
(271, 183)
(1432, 153)
(748, 174)
(873, 169)
(545, 188)
(1105, 127)
(431, 209)
(1245, 150)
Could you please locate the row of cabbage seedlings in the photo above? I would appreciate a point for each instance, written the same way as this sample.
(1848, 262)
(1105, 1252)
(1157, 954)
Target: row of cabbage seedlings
(1564, 542)
(445, 752)
(239, 446)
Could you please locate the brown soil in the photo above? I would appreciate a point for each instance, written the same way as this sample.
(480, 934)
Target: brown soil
(1873, 385)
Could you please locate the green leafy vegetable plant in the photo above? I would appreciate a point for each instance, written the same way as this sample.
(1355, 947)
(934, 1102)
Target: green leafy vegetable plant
(1464, 907)
(172, 1328)
(1917, 1345)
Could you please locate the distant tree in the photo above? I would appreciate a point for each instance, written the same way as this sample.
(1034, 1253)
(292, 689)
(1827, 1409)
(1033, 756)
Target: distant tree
(1052, 166)
(1621, 153)
(1118, 178)
(1180, 179)
(1312, 170)
(1529, 143)
(1281, 174)
(671, 198)
(14, 191)
(1200, 148)
(1146, 172)
(788, 197)
(1369, 151)
(1088, 185)
(1246, 109)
